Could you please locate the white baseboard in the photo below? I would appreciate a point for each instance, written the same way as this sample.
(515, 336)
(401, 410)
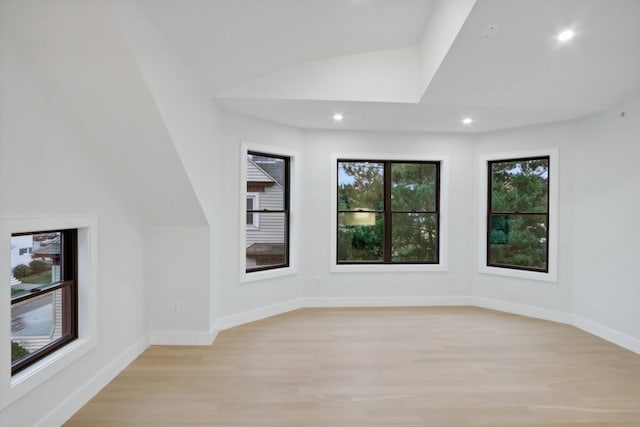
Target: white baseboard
(182, 338)
(522, 309)
(75, 401)
(607, 334)
(258, 314)
(196, 338)
(594, 328)
(318, 302)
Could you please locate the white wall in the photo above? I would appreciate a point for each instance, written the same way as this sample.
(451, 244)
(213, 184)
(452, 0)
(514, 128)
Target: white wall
(543, 295)
(317, 214)
(238, 298)
(598, 211)
(48, 168)
(605, 219)
(191, 122)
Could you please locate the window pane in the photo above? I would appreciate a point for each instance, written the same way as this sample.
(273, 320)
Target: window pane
(520, 186)
(360, 186)
(518, 240)
(35, 261)
(413, 187)
(360, 236)
(266, 246)
(249, 214)
(37, 322)
(414, 237)
(267, 176)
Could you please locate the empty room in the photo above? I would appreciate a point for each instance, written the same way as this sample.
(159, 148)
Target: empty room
(325, 213)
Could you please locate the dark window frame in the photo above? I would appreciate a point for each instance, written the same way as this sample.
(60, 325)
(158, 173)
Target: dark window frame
(388, 211)
(285, 211)
(69, 286)
(491, 213)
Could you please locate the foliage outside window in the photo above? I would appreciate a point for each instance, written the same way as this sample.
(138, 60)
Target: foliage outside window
(267, 246)
(518, 214)
(43, 286)
(388, 212)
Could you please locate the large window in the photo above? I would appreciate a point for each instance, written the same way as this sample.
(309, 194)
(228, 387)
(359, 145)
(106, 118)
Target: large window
(388, 212)
(44, 302)
(267, 211)
(518, 214)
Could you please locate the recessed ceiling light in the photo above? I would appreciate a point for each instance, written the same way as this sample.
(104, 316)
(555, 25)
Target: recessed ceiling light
(467, 121)
(565, 36)
(338, 117)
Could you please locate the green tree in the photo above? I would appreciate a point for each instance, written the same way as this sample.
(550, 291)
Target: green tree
(21, 270)
(38, 266)
(519, 206)
(17, 351)
(413, 203)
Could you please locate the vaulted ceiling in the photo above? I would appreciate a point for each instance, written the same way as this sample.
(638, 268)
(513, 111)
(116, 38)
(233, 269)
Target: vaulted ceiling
(419, 65)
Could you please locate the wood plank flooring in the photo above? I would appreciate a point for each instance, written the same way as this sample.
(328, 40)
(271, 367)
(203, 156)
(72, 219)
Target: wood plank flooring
(440, 366)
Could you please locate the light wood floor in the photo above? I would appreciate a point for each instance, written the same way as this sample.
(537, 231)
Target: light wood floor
(377, 367)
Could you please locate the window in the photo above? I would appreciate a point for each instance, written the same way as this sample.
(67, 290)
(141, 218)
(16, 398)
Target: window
(388, 212)
(252, 205)
(518, 214)
(44, 307)
(267, 181)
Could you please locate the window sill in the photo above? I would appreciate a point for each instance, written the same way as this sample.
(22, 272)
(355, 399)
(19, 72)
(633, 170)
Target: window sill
(388, 268)
(520, 274)
(267, 274)
(41, 371)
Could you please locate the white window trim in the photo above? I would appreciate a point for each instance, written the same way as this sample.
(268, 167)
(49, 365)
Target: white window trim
(256, 276)
(444, 215)
(255, 225)
(552, 274)
(16, 386)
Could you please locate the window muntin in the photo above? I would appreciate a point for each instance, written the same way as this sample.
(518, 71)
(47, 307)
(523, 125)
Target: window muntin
(518, 214)
(388, 212)
(43, 295)
(267, 246)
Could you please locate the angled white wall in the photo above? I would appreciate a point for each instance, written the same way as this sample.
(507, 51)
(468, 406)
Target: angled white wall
(598, 230)
(184, 303)
(238, 298)
(50, 168)
(605, 211)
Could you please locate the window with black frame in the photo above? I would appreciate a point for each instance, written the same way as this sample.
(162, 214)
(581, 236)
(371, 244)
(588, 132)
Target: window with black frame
(518, 214)
(44, 307)
(267, 211)
(388, 212)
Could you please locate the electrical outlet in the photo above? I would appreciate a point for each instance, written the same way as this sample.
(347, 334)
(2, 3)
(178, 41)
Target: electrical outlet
(175, 308)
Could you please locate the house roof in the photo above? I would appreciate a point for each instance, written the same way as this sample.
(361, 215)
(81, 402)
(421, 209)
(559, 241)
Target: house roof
(50, 250)
(256, 174)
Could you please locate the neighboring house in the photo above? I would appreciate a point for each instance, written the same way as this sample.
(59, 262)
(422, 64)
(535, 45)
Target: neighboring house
(21, 248)
(265, 232)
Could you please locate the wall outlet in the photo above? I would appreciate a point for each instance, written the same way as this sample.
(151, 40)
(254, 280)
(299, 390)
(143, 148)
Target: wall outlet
(175, 308)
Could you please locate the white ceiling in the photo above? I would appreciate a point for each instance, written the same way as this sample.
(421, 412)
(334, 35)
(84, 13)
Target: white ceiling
(229, 42)
(256, 56)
